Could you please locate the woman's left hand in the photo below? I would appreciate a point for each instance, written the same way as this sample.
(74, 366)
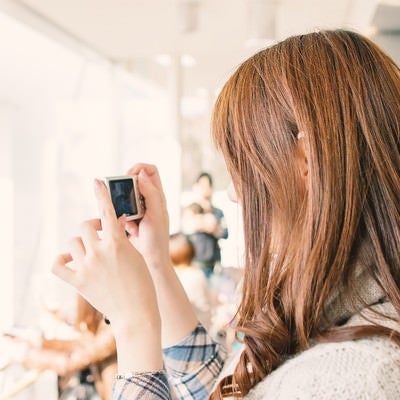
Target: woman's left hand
(151, 235)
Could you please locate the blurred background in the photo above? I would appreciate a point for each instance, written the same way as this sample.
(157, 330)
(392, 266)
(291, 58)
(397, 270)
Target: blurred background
(90, 87)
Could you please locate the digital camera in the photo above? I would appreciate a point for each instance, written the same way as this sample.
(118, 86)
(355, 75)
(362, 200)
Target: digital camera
(125, 196)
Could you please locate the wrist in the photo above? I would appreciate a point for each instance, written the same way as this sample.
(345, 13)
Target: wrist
(157, 257)
(159, 265)
(139, 348)
(164, 276)
(125, 330)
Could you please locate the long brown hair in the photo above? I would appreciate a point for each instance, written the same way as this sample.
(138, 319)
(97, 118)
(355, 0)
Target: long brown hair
(306, 240)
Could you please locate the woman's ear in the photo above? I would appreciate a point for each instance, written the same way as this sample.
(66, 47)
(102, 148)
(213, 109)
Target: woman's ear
(302, 154)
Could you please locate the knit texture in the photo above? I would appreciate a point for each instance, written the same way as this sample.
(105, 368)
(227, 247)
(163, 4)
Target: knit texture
(360, 369)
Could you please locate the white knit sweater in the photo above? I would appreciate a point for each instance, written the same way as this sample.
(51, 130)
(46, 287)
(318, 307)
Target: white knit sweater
(360, 369)
(363, 369)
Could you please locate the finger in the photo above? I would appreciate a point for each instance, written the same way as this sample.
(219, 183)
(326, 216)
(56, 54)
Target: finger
(151, 171)
(154, 197)
(109, 222)
(88, 230)
(77, 248)
(61, 269)
(123, 221)
(132, 228)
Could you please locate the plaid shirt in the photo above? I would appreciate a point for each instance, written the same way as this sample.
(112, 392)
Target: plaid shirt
(191, 368)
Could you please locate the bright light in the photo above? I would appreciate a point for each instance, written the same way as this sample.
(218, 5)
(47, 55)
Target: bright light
(163, 59)
(188, 61)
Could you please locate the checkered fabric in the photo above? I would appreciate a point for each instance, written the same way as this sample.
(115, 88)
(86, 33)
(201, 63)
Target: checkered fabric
(192, 367)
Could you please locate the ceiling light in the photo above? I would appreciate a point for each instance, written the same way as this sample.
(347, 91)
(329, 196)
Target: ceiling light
(163, 59)
(188, 61)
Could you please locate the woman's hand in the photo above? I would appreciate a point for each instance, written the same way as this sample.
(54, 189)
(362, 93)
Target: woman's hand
(151, 235)
(109, 272)
(112, 275)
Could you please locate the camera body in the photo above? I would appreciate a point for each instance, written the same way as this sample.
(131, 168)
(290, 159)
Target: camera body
(125, 196)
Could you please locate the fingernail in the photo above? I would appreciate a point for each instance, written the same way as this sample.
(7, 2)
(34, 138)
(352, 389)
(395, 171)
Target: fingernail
(143, 174)
(97, 184)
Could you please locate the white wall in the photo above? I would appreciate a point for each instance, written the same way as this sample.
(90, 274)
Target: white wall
(6, 214)
(390, 42)
(65, 119)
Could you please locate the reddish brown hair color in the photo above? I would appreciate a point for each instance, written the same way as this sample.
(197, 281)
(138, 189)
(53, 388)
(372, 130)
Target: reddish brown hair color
(87, 317)
(180, 249)
(343, 93)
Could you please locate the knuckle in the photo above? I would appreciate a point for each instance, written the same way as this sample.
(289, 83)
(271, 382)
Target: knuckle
(132, 171)
(55, 266)
(114, 245)
(90, 225)
(75, 241)
(84, 226)
(93, 256)
(80, 282)
(108, 212)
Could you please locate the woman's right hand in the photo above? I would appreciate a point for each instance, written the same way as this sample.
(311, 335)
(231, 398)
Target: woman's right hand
(112, 275)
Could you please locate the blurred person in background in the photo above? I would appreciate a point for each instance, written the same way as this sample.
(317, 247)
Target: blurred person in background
(192, 279)
(310, 131)
(86, 364)
(205, 225)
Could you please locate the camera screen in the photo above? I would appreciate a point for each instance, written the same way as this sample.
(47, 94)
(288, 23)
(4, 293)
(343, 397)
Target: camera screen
(123, 197)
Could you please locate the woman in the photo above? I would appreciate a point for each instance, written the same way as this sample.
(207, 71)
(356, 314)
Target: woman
(309, 129)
